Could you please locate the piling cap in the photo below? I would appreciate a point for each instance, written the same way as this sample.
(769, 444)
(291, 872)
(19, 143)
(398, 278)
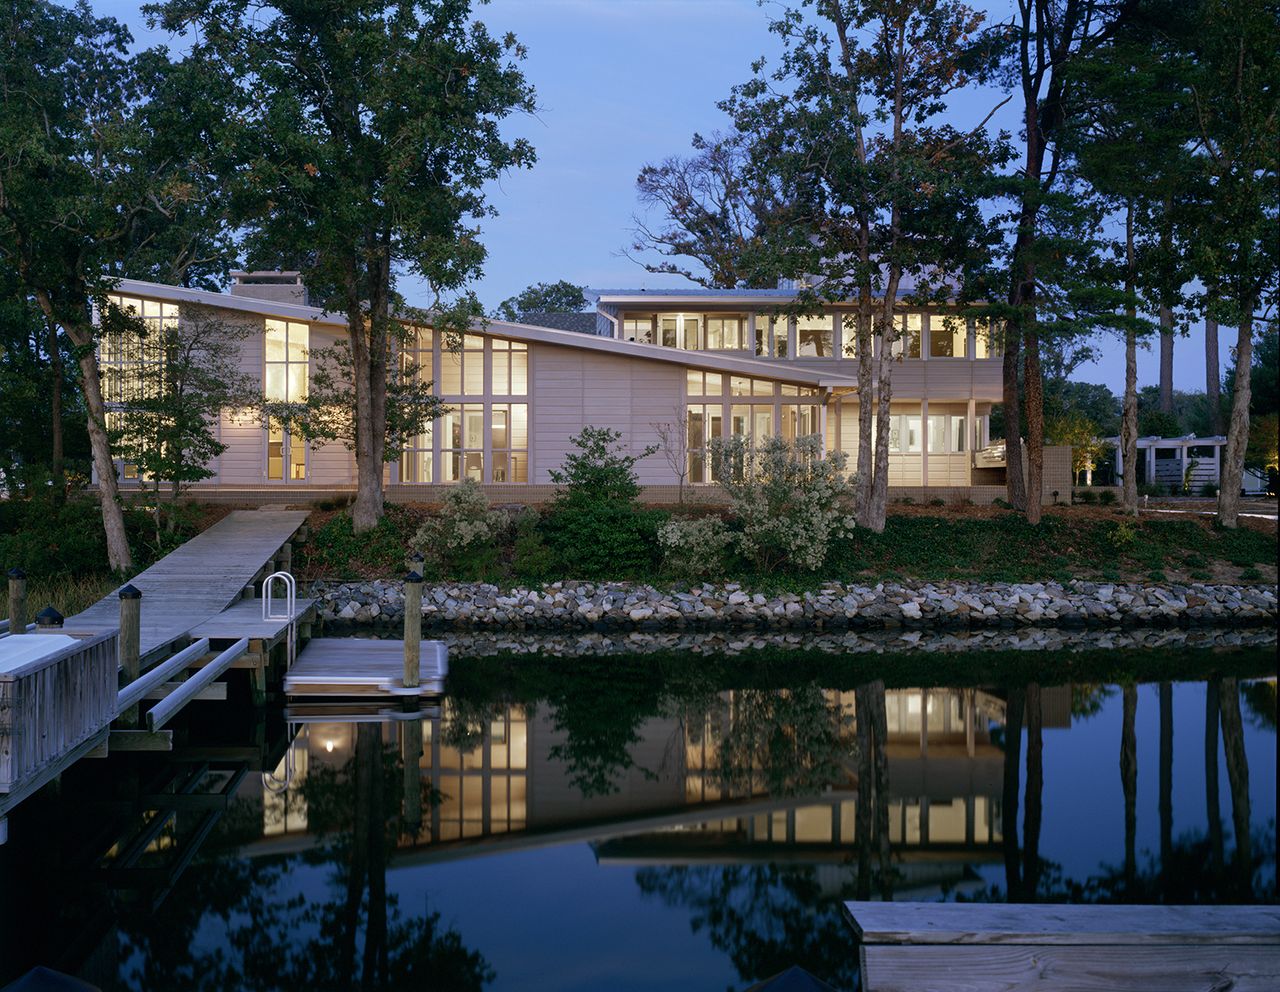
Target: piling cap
(49, 617)
(417, 556)
(130, 591)
(17, 573)
(413, 577)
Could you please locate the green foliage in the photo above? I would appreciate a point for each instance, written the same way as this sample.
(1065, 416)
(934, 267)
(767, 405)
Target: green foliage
(601, 470)
(1086, 496)
(532, 560)
(462, 540)
(595, 540)
(1107, 497)
(594, 528)
(694, 547)
(788, 500)
(544, 297)
(336, 551)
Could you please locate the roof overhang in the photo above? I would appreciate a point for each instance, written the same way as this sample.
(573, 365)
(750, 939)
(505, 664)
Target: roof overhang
(729, 364)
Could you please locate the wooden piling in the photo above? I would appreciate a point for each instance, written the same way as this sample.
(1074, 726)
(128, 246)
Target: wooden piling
(412, 628)
(285, 563)
(413, 775)
(130, 644)
(17, 601)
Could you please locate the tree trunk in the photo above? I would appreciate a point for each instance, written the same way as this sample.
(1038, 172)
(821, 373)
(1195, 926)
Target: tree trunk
(1015, 484)
(368, 337)
(1238, 428)
(1212, 375)
(884, 366)
(1129, 782)
(1129, 413)
(1009, 794)
(1238, 779)
(118, 557)
(1166, 360)
(1034, 386)
(1212, 811)
(1166, 786)
(1033, 808)
(55, 418)
(862, 831)
(866, 474)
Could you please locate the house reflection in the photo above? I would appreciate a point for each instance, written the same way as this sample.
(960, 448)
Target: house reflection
(704, 783)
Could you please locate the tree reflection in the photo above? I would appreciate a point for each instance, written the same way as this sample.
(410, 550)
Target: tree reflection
(278, 936)
(1237, 779)
(872, 821)
(1212, 810)
(1129, 778)
(766, 918)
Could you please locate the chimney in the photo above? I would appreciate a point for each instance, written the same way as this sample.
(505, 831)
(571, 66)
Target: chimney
(270, 284)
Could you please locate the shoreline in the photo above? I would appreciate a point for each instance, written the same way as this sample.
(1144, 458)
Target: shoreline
(623, 606)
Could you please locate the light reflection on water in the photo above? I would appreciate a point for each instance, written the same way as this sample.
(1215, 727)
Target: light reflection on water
(562, 820)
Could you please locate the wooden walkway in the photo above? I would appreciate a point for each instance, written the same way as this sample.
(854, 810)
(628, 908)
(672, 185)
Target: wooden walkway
(362, 666)
(200, 579)
(921, 947)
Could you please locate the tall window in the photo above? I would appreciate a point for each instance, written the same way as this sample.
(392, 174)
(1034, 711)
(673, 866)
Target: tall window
(948, 336)
(799, 414)
(815, 336)
(849, 324)
(705, 424)
(510, 368)
(988, 339)
(129, 361)
(285, 381)
(463, 441)
(418, 461)
(462, 370)
(907, 328)
(509, 430)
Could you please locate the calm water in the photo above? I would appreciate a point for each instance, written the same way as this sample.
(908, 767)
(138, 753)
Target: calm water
(665, 821)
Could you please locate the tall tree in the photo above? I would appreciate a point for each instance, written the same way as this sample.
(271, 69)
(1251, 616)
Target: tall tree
(375, 127)
(78, 185)
(1212, 375)
(1235, 116)
(714, 209)
(561, 296)
(1050, 39)
(882, 195)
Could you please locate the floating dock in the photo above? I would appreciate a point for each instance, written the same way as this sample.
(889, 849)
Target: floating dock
(358, 667)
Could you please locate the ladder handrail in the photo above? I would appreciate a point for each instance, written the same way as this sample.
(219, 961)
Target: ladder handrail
(291, 596)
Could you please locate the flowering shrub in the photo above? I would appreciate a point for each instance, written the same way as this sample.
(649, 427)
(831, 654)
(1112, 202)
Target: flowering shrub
(694, 547)
(789, 500)
(462, 539)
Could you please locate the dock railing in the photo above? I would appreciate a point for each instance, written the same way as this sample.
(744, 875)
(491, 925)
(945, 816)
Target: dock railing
(52, 704)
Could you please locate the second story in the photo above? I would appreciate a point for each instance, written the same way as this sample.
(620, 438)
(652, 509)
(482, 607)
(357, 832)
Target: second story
(935, 347)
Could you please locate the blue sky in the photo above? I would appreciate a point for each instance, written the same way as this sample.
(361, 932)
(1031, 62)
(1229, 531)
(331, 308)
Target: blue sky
(625, 82)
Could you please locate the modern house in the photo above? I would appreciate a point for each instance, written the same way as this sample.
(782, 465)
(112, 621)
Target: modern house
(705, 363)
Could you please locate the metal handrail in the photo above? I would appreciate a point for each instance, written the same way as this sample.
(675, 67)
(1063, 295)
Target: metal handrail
(291, 596)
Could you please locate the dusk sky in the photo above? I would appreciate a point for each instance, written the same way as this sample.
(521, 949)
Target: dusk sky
(625, 82)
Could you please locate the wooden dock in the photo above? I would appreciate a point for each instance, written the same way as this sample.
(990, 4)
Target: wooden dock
(362, 667)
(979, 947)
(199, 580)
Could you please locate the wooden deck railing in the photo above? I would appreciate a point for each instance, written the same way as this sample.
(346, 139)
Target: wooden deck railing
(51, 705)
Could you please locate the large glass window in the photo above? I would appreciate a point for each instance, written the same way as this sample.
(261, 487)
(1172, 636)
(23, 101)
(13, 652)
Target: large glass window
(907, 328)
(904, 433)
(130, 362)
(815, 336)
(988, 339)
(799, 420)
(938, 434)
(726, 333)
(638, 327)
(680, 330)
(771, 336)
(704, 383)
(463, 441)
(509, 427)
(958, 435)
(849, 335)
(462, 370)
(948, 336)
(418, 462)
(510, 368)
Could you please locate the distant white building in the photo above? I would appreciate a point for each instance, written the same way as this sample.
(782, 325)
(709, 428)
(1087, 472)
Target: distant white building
(1189, 463)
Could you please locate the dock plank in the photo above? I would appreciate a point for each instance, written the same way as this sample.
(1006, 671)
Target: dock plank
(199, 580)
(961, 923)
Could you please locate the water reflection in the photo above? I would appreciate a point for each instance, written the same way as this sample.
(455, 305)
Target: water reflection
(740, 804)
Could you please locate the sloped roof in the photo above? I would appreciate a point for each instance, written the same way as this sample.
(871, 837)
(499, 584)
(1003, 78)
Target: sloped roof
(583, 323)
